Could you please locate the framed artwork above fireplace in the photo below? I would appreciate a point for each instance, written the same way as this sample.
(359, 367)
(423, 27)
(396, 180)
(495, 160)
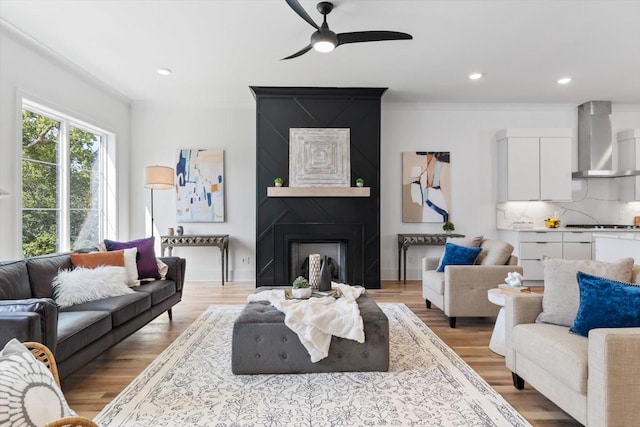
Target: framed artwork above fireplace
(319, 157)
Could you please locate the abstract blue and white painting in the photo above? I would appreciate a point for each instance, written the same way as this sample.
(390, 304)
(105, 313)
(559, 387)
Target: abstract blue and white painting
(426, 186)
(200, 185)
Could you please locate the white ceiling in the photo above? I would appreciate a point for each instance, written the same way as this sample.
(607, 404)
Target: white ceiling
(217, 48)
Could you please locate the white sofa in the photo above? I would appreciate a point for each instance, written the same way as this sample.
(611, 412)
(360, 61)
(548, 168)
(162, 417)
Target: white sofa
(461, 290)
(596, 380)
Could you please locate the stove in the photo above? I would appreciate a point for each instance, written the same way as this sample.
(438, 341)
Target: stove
(604, 226)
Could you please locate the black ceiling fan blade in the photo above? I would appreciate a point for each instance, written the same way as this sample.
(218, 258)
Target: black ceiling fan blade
(297, 8)
(371, 36)
(302, 51)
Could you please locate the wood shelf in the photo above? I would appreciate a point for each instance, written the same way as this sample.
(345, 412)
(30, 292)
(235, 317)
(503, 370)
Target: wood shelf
(318, 191)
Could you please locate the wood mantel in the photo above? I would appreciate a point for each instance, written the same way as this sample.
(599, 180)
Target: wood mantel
(318, 191)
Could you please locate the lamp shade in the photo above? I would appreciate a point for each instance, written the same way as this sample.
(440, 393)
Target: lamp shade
(158, 177)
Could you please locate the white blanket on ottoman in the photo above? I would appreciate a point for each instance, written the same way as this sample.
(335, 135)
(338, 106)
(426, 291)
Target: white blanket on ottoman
(315, 320)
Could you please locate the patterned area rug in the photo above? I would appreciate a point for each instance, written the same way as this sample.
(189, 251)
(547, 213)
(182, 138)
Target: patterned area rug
(191, 384)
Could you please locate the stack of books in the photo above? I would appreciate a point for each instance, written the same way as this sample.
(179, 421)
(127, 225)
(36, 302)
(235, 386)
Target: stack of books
(508, 289)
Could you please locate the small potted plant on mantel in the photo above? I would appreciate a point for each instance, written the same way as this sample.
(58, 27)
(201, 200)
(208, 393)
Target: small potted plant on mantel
(301, 288)
(359, 182)
(448, 227)
(278, 182)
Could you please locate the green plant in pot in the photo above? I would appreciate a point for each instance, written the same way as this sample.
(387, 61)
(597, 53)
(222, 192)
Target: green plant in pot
(301, 288)
(278, 182)
(448, 227)
(359, 182)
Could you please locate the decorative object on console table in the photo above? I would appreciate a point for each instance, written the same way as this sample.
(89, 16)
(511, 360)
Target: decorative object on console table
(180, 230)
(448, 227)
(200, 186)
(219, 240)
(157, 178)
(325, 276)
(359, 182)
(426, 186)
(314, 270)
(406, 240)
(319, 157)
(278, 182)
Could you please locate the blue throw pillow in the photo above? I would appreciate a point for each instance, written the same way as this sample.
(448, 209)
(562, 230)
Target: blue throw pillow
(458, 255)
(606, 303)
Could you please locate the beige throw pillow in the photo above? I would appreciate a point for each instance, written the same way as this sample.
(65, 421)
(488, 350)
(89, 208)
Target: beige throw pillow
(494, 252)
(561, 297)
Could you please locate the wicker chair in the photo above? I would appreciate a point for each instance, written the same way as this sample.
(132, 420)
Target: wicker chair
(44, 355)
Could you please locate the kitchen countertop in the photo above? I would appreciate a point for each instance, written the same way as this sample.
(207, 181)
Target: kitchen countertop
(626, 236)
(571, 229)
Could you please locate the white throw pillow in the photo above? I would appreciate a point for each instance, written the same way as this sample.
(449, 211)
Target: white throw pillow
(29, 395)
(131, 266)
(72, 287)
(163, 269)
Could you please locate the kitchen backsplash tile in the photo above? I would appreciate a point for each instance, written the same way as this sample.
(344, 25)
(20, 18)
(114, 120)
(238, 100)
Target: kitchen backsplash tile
(595, 201)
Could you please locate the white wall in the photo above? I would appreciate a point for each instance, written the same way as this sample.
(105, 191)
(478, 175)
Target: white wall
(31, 71)
(158, 131)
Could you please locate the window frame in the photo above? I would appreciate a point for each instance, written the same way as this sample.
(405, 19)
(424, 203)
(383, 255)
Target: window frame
(106, 168)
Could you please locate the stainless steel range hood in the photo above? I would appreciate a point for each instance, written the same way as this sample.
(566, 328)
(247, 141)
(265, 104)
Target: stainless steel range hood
(595, 144)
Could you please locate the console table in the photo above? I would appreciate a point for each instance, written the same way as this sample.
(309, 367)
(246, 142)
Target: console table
(406, 240)
(219, 240)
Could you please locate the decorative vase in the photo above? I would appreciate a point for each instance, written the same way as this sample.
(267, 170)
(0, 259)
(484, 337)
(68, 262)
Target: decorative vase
(301, 293)
(314, 270)
(325, 277)
(179, 230)
(171, 232)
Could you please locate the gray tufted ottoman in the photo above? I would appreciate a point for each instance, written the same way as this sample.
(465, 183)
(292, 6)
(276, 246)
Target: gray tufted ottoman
(263, 344)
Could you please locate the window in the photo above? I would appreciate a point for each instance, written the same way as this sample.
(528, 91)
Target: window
(63, 182)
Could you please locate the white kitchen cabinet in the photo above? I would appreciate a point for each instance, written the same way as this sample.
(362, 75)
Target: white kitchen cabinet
(577, 245)
(534, 164)
(629, 159)
(530, 247)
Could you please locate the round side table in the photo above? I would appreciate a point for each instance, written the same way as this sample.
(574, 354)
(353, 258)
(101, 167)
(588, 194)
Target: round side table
(497, 343)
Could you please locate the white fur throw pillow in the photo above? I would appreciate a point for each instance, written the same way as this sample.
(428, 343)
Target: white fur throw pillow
(85, 284)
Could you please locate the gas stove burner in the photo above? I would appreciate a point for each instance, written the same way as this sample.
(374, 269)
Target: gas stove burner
(604, 226)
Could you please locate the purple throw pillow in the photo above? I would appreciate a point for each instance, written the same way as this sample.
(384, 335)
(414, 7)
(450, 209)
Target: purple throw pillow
(145, 258)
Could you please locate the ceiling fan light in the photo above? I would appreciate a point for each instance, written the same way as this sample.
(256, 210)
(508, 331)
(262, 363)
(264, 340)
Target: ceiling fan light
(324, 46)
(324, 40)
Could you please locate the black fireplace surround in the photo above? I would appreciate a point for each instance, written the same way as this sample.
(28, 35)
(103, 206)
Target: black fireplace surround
(352, 221)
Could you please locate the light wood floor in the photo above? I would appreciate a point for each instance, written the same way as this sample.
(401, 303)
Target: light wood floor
(92, 387)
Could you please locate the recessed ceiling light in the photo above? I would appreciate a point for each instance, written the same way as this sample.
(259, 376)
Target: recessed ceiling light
(564, 80)
(475, 76)
(164, 71)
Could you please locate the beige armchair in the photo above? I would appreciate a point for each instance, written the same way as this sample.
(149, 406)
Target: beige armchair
(596, 380)
(461, 290)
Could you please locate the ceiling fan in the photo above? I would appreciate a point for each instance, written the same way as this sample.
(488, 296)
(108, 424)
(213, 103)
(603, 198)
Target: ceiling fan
(325, 40)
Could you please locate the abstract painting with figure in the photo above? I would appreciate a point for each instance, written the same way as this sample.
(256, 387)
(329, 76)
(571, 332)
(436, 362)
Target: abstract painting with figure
(426, 186)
